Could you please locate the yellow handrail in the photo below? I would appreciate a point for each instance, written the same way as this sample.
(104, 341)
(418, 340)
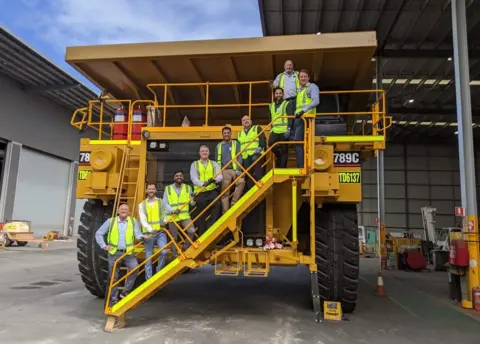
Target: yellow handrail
(245, 171)
(234, 159)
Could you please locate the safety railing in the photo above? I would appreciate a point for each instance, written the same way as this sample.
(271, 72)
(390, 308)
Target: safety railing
(120, 123)
(208, 105)
(378, 121)
(308, 161)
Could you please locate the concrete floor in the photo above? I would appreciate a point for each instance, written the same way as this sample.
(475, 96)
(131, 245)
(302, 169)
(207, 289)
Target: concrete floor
(43, 301)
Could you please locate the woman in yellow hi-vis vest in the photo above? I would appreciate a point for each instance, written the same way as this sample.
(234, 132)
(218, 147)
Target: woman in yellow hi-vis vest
(121, 233)
(308, 98)
(202, 173)
(152, 217)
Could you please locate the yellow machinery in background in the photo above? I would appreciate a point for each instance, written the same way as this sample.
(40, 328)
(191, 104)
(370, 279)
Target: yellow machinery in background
(18, 232)
(311, 210)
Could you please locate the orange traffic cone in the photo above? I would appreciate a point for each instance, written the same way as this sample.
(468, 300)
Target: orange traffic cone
(380, 288)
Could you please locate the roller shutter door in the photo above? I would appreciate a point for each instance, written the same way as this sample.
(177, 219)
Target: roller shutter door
(42, 191)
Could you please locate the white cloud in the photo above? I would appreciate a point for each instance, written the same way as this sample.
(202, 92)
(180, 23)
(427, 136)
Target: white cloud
(85, 22)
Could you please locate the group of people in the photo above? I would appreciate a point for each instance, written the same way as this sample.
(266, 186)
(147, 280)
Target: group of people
(294, 96)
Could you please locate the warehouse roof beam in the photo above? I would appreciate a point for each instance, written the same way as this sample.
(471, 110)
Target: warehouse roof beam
(46, 88)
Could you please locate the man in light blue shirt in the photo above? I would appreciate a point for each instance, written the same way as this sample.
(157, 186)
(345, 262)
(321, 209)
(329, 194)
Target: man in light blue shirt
(289, 81)
(308, 98)
(120, 240)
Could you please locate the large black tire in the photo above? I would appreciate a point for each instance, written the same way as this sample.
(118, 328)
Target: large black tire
(337, 254)
(92, 260)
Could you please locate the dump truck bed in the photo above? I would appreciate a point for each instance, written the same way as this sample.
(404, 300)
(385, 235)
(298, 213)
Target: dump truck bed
(336, 61)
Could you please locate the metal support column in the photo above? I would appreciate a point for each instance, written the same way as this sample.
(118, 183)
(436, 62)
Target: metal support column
(465, 142)
(380, 173)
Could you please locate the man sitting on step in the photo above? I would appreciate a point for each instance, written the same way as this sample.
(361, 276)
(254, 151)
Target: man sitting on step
(152, 215)
(121, 232)
(202, 173)
(174, 197)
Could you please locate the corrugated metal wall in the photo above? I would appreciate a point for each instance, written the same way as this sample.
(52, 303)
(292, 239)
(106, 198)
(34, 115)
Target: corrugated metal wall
(415, 176)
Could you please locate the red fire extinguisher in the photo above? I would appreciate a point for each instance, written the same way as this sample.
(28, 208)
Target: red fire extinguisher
(476, 299)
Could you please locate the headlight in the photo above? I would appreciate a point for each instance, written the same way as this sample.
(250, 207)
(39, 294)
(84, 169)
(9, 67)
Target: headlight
(250, 242)
(258, 242)
(146, 134)
(153, 144)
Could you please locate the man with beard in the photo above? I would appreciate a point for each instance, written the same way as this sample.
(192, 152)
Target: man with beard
(151, 214)
(280, 126)
(225, 152)
(174, 197)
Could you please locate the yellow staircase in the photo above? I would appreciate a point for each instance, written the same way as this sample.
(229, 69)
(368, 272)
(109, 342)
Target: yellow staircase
(227, 222)
(230, 221)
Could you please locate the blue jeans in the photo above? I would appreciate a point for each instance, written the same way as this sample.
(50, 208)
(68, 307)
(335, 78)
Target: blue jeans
(131, 263)
(160, 239)
(298, 135)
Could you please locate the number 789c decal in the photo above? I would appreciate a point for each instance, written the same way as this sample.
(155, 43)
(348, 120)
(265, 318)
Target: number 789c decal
(346, 158)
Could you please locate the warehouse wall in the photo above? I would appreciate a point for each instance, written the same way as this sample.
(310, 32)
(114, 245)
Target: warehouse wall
(36, 122)
(415, 176)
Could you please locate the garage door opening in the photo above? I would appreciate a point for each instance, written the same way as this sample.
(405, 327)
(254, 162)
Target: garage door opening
(3, 148)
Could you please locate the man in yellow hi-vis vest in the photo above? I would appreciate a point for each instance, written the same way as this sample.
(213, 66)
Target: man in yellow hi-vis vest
(202, 174)
(289, 81)
(120, 232)
(151, 214)
(254, 145)
(281, 126)
(174, 197)
(308, 98)
(225, 151)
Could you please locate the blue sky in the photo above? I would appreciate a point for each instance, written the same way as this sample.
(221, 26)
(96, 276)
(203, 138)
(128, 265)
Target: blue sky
(49, 26)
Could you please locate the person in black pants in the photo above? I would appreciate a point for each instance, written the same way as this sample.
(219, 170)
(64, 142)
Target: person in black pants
(281, 126)
(202, 174)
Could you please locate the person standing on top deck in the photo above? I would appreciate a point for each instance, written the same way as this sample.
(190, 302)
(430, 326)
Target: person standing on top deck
(256, 146)
(280, 127)
(202, 173)
(289, 81)
(226, 151)
(174, 197)
(308, 98)
(151, 214)
(121, 232)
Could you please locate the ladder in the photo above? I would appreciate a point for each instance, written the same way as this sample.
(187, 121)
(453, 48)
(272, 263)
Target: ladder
(128, 175)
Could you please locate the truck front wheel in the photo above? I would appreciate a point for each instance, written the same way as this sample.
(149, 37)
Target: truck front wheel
(92, 260)
(337, 254)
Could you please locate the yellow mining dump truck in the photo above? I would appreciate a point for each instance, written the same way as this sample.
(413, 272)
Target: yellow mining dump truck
(311, 211)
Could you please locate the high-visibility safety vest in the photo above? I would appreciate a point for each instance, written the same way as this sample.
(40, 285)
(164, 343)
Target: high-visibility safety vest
(297, 80)
(153, 213)
(279, 125)
(303, 100)
(176, 201)
(204, 174)
(249, 139)
(114, 236)
(232, 155)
